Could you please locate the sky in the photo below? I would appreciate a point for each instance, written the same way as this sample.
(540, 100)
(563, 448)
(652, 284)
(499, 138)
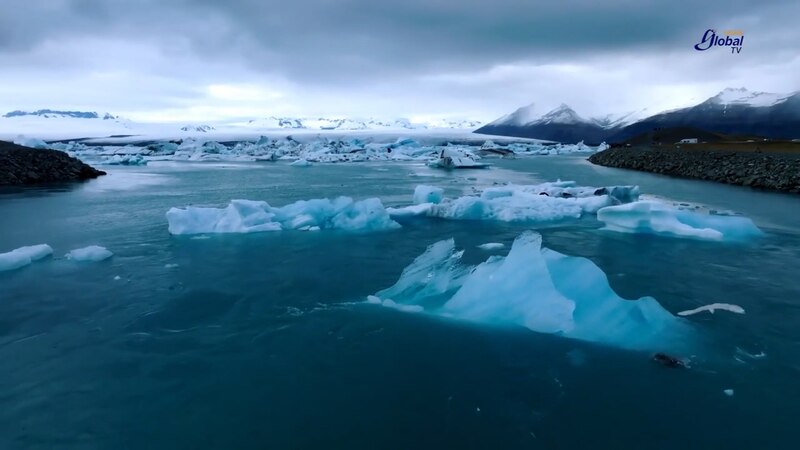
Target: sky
(215, 61)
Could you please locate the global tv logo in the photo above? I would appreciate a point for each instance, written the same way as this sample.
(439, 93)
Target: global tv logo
(733, 39)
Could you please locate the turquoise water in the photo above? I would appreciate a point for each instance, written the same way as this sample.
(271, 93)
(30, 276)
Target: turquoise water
(263, 340)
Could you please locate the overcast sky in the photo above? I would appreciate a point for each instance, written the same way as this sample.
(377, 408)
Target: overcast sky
(213, 60)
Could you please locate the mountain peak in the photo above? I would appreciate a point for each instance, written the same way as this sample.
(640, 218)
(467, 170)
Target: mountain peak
(562, 114)
(743, 96)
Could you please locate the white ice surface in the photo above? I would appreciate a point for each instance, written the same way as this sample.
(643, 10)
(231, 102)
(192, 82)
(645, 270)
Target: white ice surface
(247, 216)
(658, 218)
(23, 256)
(92, 253)
(713, 307)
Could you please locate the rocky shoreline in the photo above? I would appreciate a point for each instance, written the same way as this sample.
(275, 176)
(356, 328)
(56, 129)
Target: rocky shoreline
(772, 171)
(23, 165)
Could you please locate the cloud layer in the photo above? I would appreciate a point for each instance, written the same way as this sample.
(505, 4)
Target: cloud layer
(212, 60)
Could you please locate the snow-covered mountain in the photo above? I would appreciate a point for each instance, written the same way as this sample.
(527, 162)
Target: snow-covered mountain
(732, 111)
(561, 124)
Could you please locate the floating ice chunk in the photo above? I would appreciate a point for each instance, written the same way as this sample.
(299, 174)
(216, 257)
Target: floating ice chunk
(240, 216)
(170, 266)
(427, 194)
(540, 289)
(410, 211)
(246, 216)
(491, 246)
(520, 203)
(31, 142)
(712, 307)
(658, 218)
(728, 392)
(117, 278)
(301, 163)
(23, 256)
(92, 253)
(373, 299)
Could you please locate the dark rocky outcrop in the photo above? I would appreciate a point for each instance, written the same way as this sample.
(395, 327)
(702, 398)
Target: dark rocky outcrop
(23, 165)
(773, 171)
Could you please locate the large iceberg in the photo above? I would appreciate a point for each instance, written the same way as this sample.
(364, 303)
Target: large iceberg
(23, 256)
(540, 289)
(659, 218)
(518, 203)
(247, 216)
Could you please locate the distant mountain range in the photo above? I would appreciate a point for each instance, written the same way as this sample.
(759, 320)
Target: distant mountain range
(732, 111)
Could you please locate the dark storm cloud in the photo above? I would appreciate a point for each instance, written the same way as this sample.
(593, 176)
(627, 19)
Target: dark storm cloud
(339, 40)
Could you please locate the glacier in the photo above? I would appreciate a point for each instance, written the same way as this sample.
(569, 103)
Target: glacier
(247, 216)
(92, 253)
(320, 148)
(23, 256)
(537, 288)
(659, 218)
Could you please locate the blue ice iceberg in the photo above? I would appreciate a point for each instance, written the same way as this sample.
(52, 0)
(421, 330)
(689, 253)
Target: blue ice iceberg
(658, 218)
(540, 289)
(518, 203)
(427, 194)
(247, 216)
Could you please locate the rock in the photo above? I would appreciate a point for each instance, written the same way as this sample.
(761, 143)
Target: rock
(23, 165)
(779, 172)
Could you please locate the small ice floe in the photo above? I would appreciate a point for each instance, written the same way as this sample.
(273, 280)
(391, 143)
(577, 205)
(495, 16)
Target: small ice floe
(713, 307)
(170, 266)
(728, 392)
(92, 253)
(117, 278)
(23, 256)
(491, 246)
(301, 163)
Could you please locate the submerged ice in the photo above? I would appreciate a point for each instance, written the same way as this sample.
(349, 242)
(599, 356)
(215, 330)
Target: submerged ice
(662, 219)
(539, 289)
(92, 253)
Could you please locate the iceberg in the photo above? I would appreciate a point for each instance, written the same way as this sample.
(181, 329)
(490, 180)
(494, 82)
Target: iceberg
(301, 163)
(540, 289)
(427, 194)
(23, 256)
(661, 219)
(31, 142)
(247, 216)
(92, 253)
(520, 203)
